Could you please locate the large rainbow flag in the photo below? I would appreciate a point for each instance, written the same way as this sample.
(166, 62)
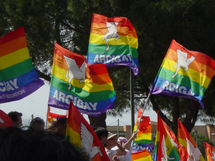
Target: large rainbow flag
(164, 147)
(188, 149)
(184, 73)
(209, 151)
(80, 133)
(113, 41)
(143, 139)
(18, 77)
(88, 86)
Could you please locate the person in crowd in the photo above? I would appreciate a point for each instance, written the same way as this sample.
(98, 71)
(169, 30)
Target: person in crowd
(37, 124)
(52, 126)
(61, 126)
(16, 118)
(125, 143)
(114, 153)
(102, 134)
(20, 145)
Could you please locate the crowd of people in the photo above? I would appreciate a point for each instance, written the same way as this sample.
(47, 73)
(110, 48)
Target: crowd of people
(37, 142)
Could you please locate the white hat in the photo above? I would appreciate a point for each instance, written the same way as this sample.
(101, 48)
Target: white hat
(110, 135)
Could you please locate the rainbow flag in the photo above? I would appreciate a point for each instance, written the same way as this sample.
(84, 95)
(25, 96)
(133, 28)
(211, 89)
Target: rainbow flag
(184, 73)
(80, 133)
(188, 148)
(18, 77)
(88, 86)
(209, 151)
(142, 155)
(143, 139)
(164, 147)
(113, 41)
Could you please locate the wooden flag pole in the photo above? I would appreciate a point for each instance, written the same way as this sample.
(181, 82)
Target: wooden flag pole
(144, 107)
(132, 98)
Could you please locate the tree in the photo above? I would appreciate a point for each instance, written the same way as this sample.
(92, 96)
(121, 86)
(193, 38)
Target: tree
(157, 22)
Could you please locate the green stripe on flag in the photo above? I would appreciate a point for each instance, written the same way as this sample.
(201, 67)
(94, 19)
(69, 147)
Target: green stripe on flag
(79, 92)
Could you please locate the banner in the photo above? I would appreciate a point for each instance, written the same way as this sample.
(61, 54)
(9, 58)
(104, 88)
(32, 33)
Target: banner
(80, 133)
(113, 41)
(188, 149)
(143, 139)
(209, 152)
(184, 73)
(88, 86)
(18, 78)
(164, 145)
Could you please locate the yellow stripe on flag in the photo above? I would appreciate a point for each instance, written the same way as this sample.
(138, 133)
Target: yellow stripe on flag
(74, 136)
(14, 58)
(87, 86)
(192, 74)
(144, 136)
(124, 40)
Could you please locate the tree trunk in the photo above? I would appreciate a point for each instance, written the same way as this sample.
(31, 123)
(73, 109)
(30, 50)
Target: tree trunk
(99, 121)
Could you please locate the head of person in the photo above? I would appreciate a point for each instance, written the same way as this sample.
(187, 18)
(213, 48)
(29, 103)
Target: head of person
(52, 126)
(111, 140)
(18, 144)
(37, 124)
(122, 140)
(16, 118)
(61, 126)
(102, 134)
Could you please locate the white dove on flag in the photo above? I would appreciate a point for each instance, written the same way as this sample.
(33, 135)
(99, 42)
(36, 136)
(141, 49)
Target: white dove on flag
(193, 152)
(87, 142)
(74, 71)
(182, 62)
(164, 149)
(213, 157)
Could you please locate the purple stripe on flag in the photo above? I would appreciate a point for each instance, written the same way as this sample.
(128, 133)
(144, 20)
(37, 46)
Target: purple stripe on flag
(54, 103)
(21, 92)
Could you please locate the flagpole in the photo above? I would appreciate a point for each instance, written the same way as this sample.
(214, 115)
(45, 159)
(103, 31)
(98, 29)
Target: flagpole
(47, 114)
(144, 107)
(132, 98)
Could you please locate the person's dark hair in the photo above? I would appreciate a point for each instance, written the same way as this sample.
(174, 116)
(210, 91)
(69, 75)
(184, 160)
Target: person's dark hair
(14, 114)
(37, 120)
(100, 132)
(17, 144)
(62, 121)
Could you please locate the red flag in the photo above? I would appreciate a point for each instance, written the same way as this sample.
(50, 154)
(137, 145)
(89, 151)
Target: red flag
(188, 148)
(80, 133)
(209, 151)
(164, 144)
(5, 120)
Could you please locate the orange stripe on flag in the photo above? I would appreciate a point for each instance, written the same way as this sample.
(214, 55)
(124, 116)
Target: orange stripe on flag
(13, 45)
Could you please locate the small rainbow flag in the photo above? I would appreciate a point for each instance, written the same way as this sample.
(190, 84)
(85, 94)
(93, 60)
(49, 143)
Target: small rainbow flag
(188, 149)
(143, 139)
(142, 155)
(209, 151)
(18, 77)
(164, 147)
(184, 73)
(113, 41)
(80, 133)
(88, 86)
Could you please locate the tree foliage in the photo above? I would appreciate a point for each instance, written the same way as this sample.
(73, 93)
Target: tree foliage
(157, 22)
